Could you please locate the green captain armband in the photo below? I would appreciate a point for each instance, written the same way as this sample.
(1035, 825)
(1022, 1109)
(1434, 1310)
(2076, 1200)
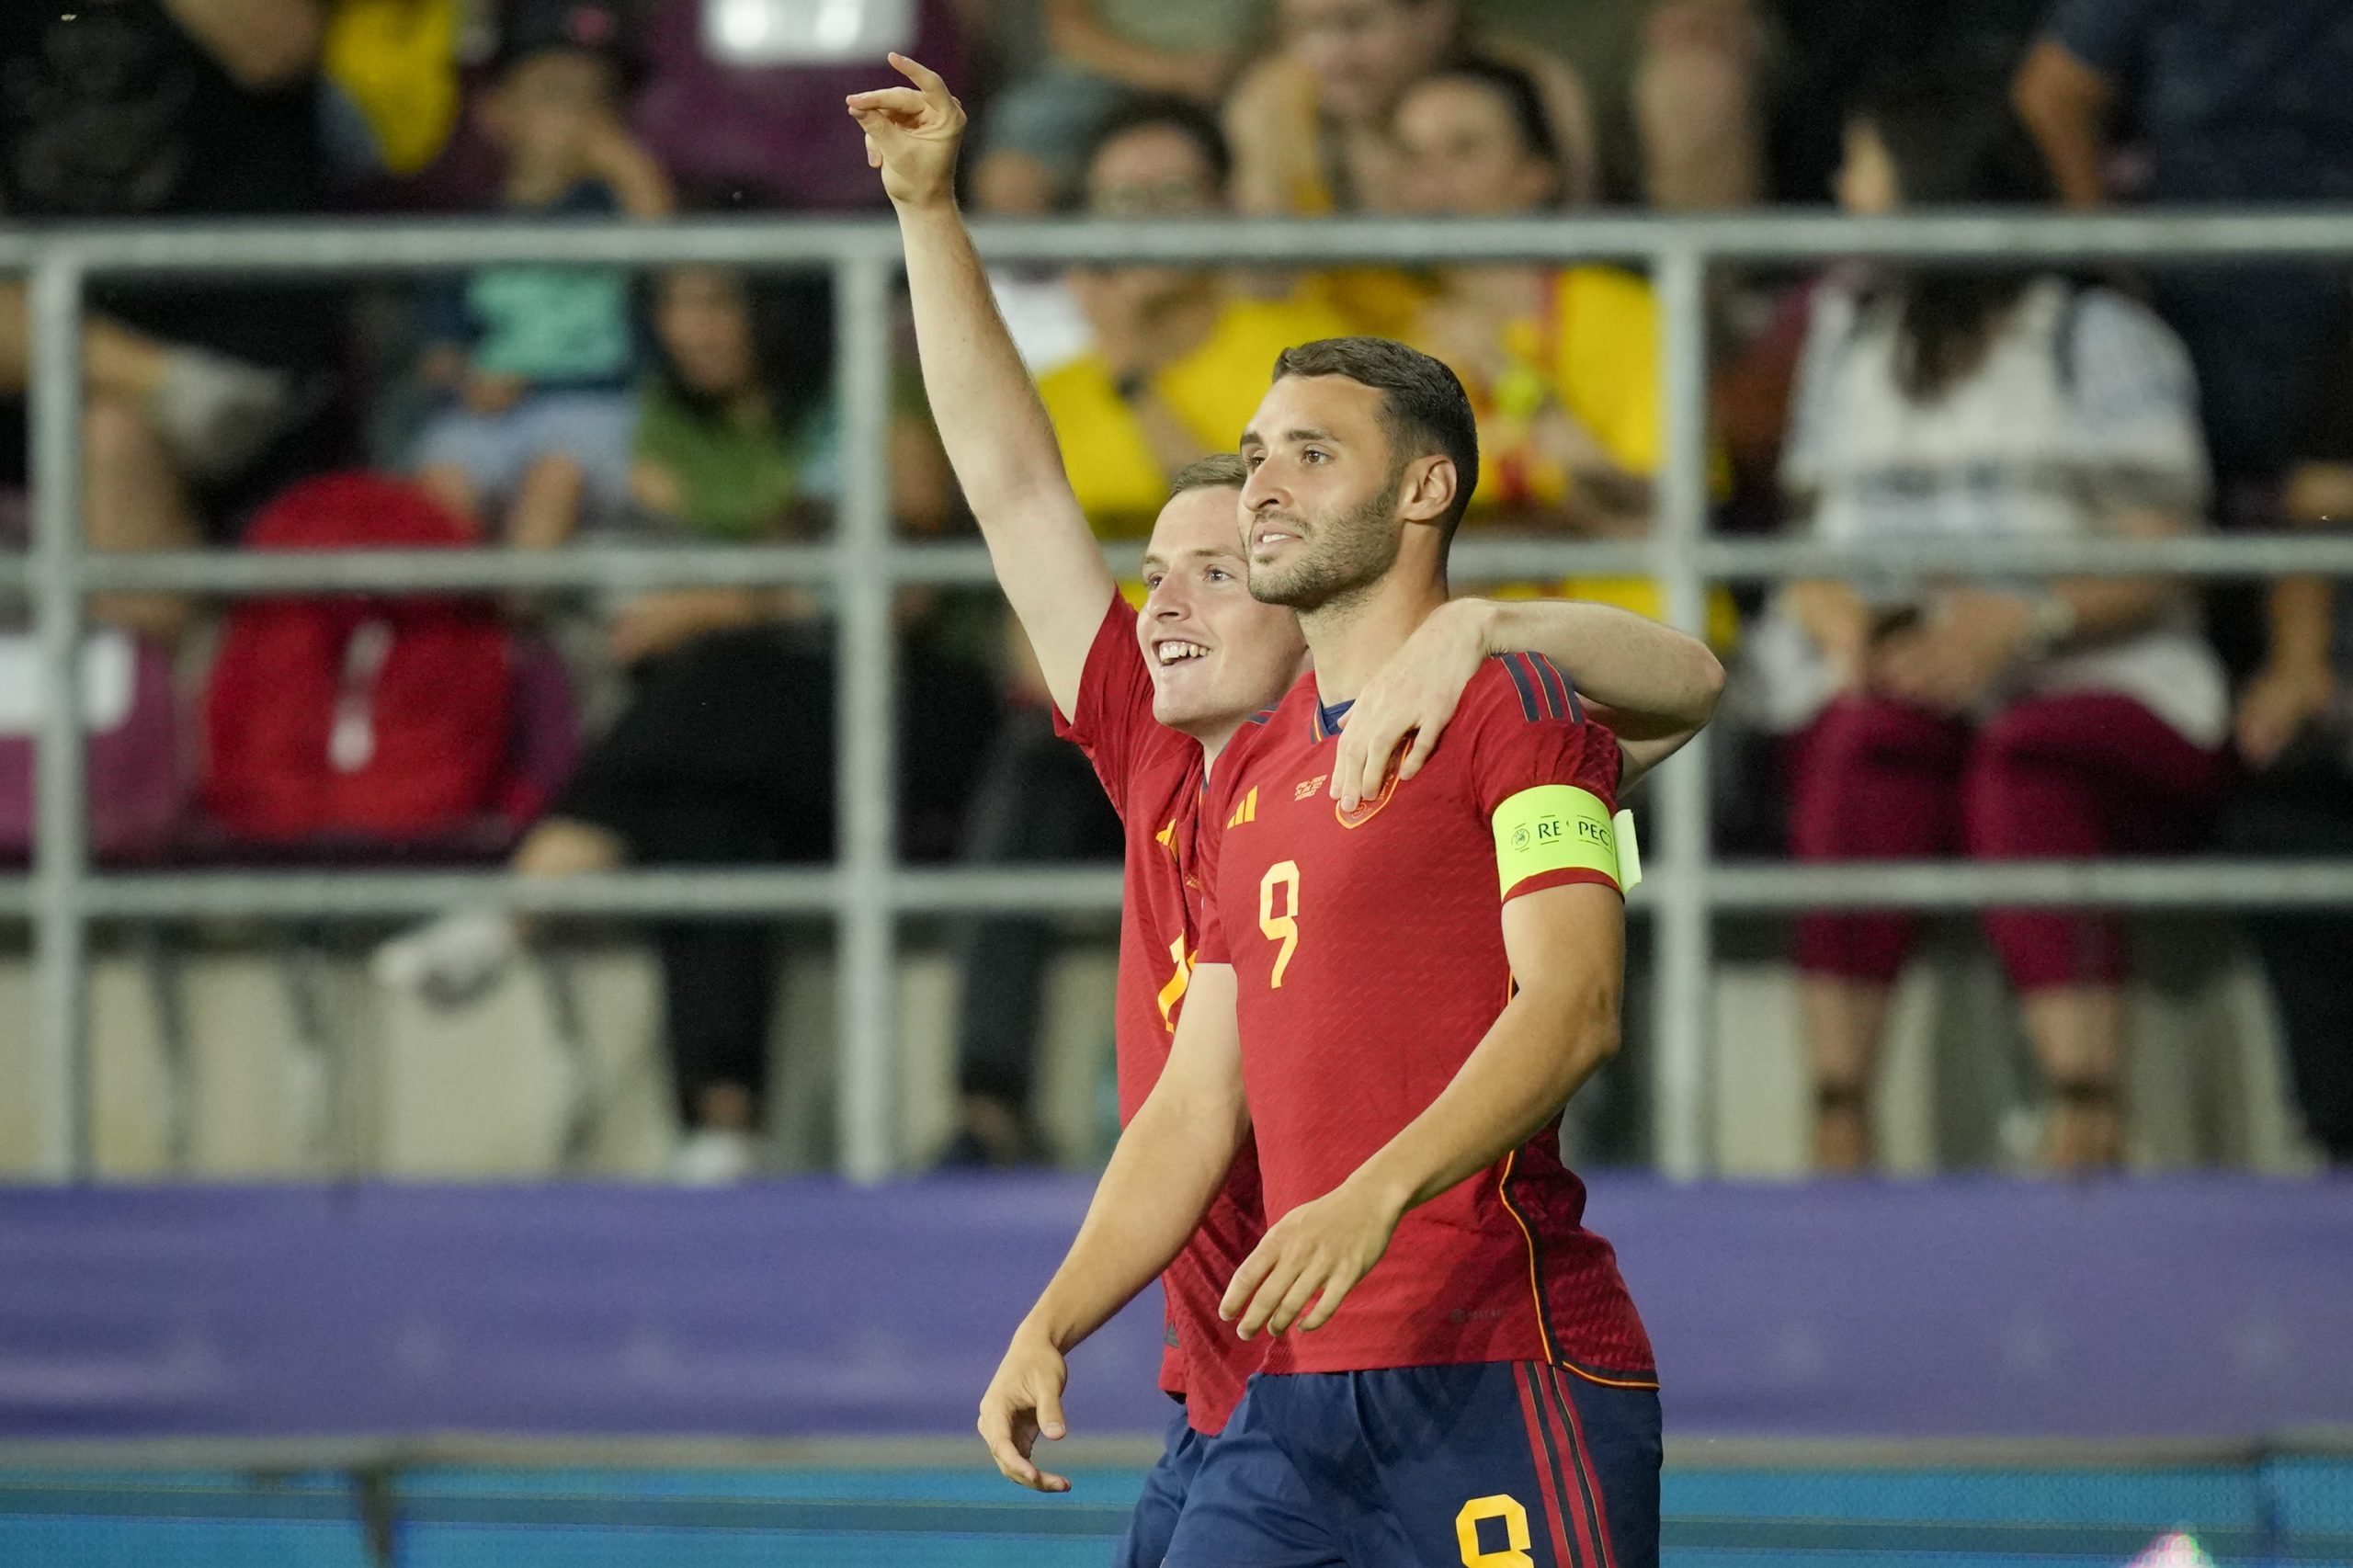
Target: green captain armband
(1553, 828)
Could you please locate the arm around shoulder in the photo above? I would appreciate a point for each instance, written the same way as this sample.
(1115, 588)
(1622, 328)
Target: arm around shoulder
(1659, 685)
(1657, 682)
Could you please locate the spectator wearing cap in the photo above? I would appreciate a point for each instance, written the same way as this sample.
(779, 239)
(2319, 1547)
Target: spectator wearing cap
(536, 363)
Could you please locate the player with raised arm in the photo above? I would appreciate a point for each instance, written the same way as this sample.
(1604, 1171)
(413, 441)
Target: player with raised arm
(1155, 698)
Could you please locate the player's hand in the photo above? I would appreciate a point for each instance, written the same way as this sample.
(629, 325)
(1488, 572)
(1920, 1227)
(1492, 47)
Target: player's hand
(1317, 1252)
(1024, 1401)
(911, 134)
(1411, 698)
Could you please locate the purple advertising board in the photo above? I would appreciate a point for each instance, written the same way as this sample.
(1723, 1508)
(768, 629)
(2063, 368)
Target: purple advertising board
(2184, 1306)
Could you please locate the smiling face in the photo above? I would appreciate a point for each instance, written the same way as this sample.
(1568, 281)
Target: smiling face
(1320, 512)
(1217, 656)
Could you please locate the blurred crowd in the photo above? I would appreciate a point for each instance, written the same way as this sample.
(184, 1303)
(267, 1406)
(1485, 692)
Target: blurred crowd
(535, 407)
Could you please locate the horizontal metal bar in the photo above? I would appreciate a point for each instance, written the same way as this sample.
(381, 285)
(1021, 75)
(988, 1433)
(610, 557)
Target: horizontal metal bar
(593, 566)
(363, 894)
(1474, 560)
(2195, 555)
(2192, 883)
(2219, 234)
(623, 568)
(378, 246)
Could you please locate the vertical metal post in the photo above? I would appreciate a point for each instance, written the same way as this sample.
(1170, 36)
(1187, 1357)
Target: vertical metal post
(1685, 965)
(866, 779)
(61, 820)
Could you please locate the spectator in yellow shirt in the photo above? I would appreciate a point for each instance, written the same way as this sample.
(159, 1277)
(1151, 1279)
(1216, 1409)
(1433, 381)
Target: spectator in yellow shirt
(1560, 363)
(1177, 358)
(1314, 125)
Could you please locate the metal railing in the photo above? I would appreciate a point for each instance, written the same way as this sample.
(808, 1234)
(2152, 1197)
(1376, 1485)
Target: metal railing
(866, 891)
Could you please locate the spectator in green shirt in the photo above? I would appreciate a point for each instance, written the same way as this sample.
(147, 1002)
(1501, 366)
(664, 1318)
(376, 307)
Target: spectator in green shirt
(725, 754)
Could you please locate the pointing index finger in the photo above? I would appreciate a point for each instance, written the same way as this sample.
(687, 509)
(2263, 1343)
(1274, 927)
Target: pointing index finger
(922, 75)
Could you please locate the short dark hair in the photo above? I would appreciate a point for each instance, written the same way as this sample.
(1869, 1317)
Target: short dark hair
(1219, 471)
(1182, 115)
(1423, 405)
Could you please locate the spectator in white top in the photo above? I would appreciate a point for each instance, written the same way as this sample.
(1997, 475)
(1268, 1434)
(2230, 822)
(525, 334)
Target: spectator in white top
(1998, 719)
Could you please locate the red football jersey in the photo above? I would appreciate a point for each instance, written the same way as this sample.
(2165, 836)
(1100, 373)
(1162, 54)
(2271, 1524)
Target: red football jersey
(1155, 779)
(1370, 953)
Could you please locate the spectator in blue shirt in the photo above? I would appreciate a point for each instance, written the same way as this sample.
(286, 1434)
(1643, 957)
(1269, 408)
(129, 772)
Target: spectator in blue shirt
(538, 364)
(2234, 102)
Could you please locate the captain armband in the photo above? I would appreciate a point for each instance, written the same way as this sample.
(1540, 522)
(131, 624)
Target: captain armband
(1559, 827)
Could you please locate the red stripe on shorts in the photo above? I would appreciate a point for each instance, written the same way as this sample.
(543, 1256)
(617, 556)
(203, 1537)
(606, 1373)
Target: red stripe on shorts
(1582, 1457)
(1571, 1490)
(1548, 1468)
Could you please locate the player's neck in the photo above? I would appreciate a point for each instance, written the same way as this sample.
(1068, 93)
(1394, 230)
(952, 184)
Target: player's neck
(1213, 738)
(1353, 636)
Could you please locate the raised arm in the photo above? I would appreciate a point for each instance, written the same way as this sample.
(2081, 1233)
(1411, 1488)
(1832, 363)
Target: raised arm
(1654, 686)
(1161, 1176)
(1567, 950)
(998, 438)
(2064, 101)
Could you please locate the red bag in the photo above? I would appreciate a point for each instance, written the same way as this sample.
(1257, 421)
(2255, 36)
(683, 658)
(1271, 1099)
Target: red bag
(355, 716)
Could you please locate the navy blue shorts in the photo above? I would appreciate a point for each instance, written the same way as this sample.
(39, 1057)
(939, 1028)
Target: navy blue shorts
(1501, 1464)
(1164, 1486)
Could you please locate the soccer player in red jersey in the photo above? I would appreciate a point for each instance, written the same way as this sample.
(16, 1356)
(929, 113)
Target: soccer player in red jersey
(1154, 699)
